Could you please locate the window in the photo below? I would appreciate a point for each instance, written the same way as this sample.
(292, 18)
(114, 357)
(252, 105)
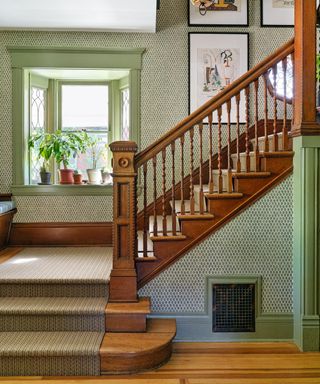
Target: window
(85, 107)
(72, 93)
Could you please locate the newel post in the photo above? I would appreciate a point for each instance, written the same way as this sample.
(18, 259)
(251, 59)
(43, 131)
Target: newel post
(123, 279)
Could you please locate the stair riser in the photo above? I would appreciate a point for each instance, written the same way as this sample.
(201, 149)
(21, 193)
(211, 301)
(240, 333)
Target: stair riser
(53, 290)
(51, 323)
(261, 142)
(243, 162)
(221, 207)
(225, 180)
(247, 187)
(126, 323)
(274, 165)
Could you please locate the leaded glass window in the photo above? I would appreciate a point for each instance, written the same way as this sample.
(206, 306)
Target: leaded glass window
(125, 114)
(37, 125)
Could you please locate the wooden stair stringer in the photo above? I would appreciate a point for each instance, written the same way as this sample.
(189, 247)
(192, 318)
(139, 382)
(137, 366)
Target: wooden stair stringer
(197, 231)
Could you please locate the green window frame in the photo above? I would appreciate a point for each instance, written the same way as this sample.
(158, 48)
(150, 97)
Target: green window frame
(23, 60)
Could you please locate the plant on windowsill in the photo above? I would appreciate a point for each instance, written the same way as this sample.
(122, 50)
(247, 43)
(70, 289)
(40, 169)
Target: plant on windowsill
(318, 81)
(77, 177)
(39, 143)
(94, 173)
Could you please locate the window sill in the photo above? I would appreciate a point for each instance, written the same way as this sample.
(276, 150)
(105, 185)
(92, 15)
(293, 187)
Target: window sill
(62, 190)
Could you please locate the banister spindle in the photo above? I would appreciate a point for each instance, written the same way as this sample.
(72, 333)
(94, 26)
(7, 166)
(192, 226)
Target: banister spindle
(256, 120)
(155, 223)
(201, 195)
(266, 137)
(145, 216)
(247, 93)
(164, 215)
(192, 203)
(211, 184)
(220, 180)
(182, 208)
(285, 113)
(229, 175)
(238, 167)
(275, 109)
(173, 198)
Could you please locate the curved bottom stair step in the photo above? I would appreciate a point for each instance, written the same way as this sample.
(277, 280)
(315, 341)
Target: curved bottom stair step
(131, 352)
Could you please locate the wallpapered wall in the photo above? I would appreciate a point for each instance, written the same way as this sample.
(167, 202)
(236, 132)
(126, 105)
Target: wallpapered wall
(164, 93)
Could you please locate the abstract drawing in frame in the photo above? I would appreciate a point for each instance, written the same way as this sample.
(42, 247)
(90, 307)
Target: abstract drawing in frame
(230, 13)
(277, 13)
(215, 61)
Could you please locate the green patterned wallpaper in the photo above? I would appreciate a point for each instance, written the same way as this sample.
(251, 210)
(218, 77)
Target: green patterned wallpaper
(164, 92)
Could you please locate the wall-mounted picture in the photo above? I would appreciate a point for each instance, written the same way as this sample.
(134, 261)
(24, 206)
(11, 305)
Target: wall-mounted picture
(215, 61)
(229, 13)
(277, 13)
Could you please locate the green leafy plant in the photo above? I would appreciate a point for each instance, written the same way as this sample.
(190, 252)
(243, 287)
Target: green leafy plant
(61, 146)
(95, 149)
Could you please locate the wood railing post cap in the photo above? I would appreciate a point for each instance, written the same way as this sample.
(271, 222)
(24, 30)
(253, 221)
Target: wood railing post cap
(124, 146)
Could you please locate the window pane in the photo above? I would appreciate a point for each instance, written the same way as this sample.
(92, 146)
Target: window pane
(125, 114)
(85, 106)
(37, 125)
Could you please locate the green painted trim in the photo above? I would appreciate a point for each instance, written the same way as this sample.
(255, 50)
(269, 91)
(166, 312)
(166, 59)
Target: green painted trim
(39, 81)
(306, 249)
(30, 57)
(269, 327)
(124, 82)
(62, 190)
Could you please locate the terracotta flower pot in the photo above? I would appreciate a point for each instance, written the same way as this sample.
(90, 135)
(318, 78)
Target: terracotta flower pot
(77, 178)
(66, 176)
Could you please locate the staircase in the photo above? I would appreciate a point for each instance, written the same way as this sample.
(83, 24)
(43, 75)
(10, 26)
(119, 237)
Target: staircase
(167, 198)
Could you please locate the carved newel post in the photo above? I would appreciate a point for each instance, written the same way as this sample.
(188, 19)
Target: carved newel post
(123, 280)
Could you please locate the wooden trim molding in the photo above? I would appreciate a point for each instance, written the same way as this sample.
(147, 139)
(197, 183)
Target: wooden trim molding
(61, 234)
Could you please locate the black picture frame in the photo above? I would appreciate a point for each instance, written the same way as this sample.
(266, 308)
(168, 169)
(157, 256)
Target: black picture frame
(283, 16)
(222, 13)
(246, 63)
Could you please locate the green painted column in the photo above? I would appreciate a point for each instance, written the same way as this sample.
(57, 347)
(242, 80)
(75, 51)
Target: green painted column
(306, 250)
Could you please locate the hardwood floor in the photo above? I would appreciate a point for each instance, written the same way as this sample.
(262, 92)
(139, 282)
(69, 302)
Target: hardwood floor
(215, 363)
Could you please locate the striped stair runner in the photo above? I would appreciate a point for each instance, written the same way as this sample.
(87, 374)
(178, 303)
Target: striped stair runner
(52, 311)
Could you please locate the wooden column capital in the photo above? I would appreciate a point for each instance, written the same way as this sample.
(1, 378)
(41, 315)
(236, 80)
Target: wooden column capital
(304, 122)
(123, 280)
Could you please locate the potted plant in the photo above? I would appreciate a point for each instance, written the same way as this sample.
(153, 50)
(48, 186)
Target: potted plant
(77, 177)
(43, 147)
(94, 174)
(65, 146)
(318, 80)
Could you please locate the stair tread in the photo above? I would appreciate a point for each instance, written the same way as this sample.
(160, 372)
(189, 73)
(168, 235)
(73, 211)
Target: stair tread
(224, 195)
(142, 306)
(169, 237)
(47, 344)
(52, 305)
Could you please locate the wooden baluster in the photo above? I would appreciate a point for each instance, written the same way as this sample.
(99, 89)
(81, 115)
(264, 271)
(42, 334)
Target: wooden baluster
(229, 175)
(293, 89)
(247, 93)
(164, 215)
(220, 180)
(155, 223)
(173, 212)
(256, 121)
(192, 204)
(284, 127)
(182, 208)
(238, 167)
(275, 109)
(201, 195)
(145, 216)
(211, 184)
(266, 137)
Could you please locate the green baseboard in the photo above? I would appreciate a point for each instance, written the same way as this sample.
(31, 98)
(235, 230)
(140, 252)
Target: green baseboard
(269, 327)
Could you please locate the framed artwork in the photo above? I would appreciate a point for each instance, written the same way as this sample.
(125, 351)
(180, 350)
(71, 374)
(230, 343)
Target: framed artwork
(277, 13)
(231, 13)
(215, 61)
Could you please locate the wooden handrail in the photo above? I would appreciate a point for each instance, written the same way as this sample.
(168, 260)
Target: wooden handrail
(217, 101)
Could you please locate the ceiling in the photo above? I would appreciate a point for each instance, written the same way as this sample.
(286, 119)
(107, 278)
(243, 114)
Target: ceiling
(94, 15)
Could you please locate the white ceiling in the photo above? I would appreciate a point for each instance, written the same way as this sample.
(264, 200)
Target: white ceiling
(98, 15)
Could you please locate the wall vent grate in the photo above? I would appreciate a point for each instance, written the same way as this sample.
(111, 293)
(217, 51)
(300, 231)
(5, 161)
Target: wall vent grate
(233, 308)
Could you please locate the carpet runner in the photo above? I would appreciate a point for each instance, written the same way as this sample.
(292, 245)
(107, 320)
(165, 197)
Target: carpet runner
(52, 311)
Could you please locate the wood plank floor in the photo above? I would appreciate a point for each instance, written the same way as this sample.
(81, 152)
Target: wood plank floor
(215, 363)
